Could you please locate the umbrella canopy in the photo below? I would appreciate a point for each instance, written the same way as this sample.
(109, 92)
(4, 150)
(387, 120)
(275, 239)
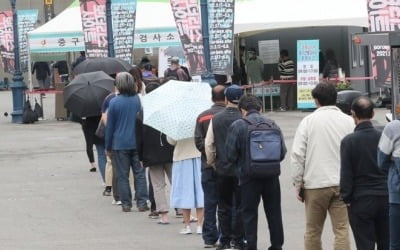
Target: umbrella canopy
(173, 108)
(85, 94)
(109, 65)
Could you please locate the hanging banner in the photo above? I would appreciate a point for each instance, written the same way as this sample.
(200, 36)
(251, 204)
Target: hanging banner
(383, 15)
(7, 41)
(188, 23)
(26, 22)
(307, 72)
(94, 27)
(220, 22)
(123, 23)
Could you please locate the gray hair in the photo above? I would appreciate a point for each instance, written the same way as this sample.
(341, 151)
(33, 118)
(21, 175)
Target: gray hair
(126, 84)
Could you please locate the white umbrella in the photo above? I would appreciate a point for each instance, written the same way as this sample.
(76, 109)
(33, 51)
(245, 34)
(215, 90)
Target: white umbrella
(174, 107)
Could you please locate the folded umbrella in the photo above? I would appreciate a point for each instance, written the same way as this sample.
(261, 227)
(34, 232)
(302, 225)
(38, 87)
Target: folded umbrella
(85, 94)
(173, 108)
(109, 65)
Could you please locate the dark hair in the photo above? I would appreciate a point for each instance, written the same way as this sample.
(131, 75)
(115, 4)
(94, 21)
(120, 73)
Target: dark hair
(151, 86)
(144, 60)
(148, 67)
(330, 56)
(220, 79)
(325, 93)
(284, 52)
(82, 53)
(126, 84)
(363, 107)
(218, 94)
(249, 102)
(137, 74)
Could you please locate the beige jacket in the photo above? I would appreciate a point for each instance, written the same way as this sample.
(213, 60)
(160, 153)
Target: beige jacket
(184, 149)
(315, 156)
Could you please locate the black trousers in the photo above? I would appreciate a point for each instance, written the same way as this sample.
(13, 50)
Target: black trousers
(269, 190)
(369, 221)
(228, 206)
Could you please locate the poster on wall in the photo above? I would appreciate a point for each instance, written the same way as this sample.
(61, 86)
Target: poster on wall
(6, 41)
(123, 24)
(269, 51)
(382, 16)
(307, 72)
(94, 27)
(26, 22)
(187, 18)
(220, 21)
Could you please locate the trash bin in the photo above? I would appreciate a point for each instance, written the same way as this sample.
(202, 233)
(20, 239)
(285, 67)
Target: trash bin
(345, 98)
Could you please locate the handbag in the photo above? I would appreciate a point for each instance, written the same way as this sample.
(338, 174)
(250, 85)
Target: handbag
(101, 130)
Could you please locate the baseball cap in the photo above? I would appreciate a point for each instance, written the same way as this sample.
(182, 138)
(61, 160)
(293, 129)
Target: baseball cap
(233, 93)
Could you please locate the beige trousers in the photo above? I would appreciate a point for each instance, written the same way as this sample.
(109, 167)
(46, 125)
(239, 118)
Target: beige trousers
(317, 203)
(109, 173)
(157, 175)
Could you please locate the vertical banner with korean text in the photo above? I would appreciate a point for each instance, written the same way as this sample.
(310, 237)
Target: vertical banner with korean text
(307, 72)
(123, 23)
(7, 41)
(26, 22)
(94, 27)
(188, 23)
(383, 15)
(220, 22)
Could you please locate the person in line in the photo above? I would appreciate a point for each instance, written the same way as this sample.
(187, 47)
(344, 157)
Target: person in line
(389, 161)
(42, 72)
(63, 70)
(156, 154)
(121, 142)
(137, 75)
(227, 172)
(363, 186)
(254, 67)
(186, 192)
(331, 65)
(315, 163)
(176, 71)
(288, 90)
(81, 58)
(208, 174)
(89, 126)
(243, 74)
(253, 189)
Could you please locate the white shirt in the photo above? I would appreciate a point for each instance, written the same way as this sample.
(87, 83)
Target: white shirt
(315, 157)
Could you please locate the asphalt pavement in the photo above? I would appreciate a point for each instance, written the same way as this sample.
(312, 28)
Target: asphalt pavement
(49, 199)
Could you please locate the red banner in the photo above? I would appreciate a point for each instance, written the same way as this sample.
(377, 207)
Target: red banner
(188, 23)
(383, 15)
(7, 41)
(94, 26)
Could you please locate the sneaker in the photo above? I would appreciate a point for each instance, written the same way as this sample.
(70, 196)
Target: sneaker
(282, 109)
(153, 215)
(199, 230)
(107, 191)
(126, 209)
(114, 202)
(238, 246)
(186, 230)
(224, 246)
(206, 245)
(143, 209)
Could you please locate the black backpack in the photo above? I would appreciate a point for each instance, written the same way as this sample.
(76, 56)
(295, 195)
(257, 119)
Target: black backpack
(28, 115)
(264, 149)
(187, 72)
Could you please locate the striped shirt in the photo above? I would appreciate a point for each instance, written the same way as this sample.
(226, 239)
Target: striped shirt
(286, 69)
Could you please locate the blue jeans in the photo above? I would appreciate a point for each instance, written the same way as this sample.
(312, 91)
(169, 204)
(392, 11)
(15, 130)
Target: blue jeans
(101, 160)
(124, 161)
(394, 226)
(209, 184)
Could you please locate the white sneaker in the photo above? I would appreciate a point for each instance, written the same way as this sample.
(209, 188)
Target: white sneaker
(114, 202)
(186, 230)
(199, 230)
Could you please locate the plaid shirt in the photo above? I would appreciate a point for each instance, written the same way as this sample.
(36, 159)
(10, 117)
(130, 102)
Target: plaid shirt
(236, 144)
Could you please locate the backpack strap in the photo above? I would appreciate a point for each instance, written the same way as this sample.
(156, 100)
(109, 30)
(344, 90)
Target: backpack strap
(267, 122)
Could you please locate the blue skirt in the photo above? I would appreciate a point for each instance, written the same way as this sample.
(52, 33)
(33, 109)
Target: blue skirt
(186, 190)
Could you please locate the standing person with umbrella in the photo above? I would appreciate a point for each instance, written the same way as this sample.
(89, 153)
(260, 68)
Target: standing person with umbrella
(121, 142)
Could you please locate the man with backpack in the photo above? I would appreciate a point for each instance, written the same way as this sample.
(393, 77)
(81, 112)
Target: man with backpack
(177, 71)
(228, 192)
(256, 146)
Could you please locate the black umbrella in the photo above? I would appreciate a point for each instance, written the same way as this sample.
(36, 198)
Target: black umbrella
(85, 94)
(109, 65)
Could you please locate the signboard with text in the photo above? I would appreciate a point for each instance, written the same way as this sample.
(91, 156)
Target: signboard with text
(152, 38)
(307, 72)
(269, 51)
(94, 27)
(123, 26)
(7, 41)
(26, 22)
(220, 21)
(187, 19)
